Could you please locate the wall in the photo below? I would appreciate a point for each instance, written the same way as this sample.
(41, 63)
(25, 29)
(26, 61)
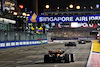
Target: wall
(8, 44)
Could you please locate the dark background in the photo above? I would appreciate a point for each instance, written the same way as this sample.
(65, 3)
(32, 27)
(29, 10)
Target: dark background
(30, 4)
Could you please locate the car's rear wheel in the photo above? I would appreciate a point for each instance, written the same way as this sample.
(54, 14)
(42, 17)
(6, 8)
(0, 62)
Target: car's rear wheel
(72, 57)
(67, 58)
(65, 44)
(46, 59)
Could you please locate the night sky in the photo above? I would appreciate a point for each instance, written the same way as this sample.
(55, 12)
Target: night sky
(55, 3)
(27, 4)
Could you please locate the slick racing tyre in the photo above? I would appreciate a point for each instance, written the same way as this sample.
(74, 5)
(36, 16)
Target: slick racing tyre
(67, 58)
(46, 59)
(72, 57)
(66, 44)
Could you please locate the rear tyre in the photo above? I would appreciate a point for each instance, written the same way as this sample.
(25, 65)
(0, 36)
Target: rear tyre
(46, 59)
(72, 57)
(65, 44)
(67, 58)
(75, 45)
(79, 43)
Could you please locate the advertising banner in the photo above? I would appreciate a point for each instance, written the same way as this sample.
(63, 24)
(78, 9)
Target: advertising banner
(76, 18)
(69, 25)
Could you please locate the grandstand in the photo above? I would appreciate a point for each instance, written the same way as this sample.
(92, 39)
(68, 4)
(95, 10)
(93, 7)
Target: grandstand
(71, 33)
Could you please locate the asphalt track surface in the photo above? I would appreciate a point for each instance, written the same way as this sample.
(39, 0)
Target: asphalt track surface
(32, 56)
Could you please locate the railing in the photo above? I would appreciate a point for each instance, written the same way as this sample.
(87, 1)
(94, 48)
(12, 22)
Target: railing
(9, 44)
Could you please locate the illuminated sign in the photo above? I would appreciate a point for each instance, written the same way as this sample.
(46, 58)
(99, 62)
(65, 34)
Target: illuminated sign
(75, 18)
(75, 25)
(55, 19)
(87, 25)
(32, 19)
(4, 20)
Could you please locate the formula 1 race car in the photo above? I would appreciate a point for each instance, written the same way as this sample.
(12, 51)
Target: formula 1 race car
(88, 41)
(70, 44)
(82, 41)
(58, 56)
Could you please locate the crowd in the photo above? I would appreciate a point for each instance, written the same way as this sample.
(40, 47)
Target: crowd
(71, 33)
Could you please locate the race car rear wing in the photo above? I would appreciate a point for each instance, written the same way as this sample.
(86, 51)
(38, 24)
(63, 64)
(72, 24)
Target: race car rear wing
(56, 52)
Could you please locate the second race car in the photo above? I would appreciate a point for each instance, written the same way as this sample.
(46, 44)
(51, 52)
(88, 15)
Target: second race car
(82, 41)
(70, 44)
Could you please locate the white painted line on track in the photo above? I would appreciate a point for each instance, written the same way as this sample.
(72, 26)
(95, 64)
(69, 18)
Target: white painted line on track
(55, 65)
(88, 63)
(37, 66)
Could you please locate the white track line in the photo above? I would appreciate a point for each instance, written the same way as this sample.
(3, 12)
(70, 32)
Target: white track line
(88, 63)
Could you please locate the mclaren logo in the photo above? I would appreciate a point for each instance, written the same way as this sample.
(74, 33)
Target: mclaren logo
(33, 18)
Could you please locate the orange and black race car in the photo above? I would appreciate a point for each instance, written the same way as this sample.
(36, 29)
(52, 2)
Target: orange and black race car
(59, 56)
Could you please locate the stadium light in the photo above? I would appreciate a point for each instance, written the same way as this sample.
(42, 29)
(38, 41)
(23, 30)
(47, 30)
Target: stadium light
(71, 6)
(78, 7)
(67, 8)
(24, 14)
(57, 7)
(91, 7)
(84, 7)
(28, 14)
(47, 6)
(97, 6)
(15, 13)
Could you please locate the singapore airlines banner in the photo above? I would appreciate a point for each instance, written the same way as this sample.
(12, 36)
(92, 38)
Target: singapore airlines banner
(75, 18)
